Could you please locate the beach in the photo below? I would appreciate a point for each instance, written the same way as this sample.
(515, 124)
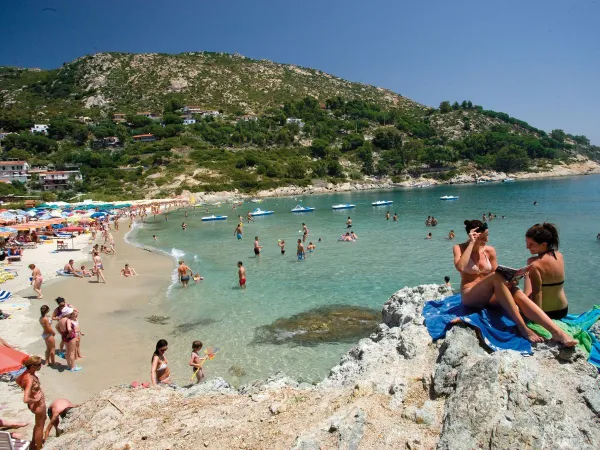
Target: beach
(118, 341)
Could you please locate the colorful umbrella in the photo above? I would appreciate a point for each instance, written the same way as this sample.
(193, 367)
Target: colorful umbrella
(11, 359)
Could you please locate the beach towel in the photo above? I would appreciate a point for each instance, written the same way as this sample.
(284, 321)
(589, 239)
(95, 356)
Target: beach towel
(578, 326)
(4, 295)
(497, 330)
(62, 273)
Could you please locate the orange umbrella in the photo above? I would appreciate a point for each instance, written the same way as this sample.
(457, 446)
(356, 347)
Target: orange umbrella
(11, 359)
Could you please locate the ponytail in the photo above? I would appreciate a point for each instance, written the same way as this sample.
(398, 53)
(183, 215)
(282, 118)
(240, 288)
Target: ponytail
(544, 233)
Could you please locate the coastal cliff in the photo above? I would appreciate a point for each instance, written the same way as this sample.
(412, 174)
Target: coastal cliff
(394, 389)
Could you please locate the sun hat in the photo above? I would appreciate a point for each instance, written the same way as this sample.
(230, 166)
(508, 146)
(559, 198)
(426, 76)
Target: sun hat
(66, 311)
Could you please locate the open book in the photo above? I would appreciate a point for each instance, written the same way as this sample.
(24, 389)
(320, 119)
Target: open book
(509, 273)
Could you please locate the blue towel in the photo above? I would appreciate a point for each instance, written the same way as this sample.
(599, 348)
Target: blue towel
(585, 322)
(4, 295)
(498, 331)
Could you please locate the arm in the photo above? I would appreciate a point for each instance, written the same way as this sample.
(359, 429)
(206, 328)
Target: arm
(491, 252)
(27, 391)
(461, 258)
(153, 369)
(534, 280)
(47, 328)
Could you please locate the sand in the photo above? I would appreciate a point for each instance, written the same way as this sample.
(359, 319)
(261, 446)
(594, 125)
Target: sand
(118, 342)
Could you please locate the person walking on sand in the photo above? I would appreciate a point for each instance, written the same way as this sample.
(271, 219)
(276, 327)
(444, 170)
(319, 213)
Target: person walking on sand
(34, 397)
(48, 335)
(257, 247)
(304, 232)
(78, 333)
(184, 273)
(239, 232)
(98, 267)
(36, 280)
(58, 409)
(196, 361)
(241, 275)
(349, 222)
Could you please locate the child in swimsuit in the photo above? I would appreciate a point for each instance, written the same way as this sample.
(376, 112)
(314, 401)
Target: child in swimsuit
(196, 362)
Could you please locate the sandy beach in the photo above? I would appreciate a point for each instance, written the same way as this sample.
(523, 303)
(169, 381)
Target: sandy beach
(118, 341)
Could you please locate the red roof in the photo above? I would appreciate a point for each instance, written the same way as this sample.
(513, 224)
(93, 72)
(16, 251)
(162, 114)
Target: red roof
(11, 163)
(143, 135)
(58, 172)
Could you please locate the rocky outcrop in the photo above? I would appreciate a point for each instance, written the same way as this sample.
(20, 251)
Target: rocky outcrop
(395, 389)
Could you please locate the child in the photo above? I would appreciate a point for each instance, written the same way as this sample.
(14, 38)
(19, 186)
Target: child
(197, 278)
(196, 361)
(447, 281)
(281, 244)
(75, 322)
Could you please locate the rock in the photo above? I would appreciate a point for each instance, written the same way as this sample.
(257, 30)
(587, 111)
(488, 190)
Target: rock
(277, 408)
(426, 413)
(363, 388)
(351, 429)
(213, 386)
(236, 371)
(406, 305)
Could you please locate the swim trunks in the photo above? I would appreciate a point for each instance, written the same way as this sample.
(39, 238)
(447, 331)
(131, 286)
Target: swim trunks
(300, 256)
(239, 236)
(185, 278)
(283, 252)
(242, 281)
(257, 251)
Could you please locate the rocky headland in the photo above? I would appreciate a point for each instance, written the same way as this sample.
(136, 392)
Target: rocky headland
(394, 389)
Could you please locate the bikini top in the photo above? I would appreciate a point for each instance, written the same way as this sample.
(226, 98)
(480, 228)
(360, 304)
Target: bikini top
(474, 269)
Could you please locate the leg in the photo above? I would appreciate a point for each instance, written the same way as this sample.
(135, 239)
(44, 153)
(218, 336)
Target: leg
(534, 313)
(51, 345)
(38, 429)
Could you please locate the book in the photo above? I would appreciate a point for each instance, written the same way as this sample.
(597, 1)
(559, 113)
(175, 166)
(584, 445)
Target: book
(509, 273)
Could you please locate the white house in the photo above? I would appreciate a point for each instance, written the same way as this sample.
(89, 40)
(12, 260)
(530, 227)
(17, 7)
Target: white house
(189, 121)
(59, 180)
(294, 120)
(210, 113)
(14, 171)
(38, 128)
(3, 134)
(192, 110)
(248, 118)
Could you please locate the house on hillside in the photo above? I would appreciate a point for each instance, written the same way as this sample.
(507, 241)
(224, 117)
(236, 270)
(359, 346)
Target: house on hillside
(189, 121)
(14, 171)
(108, 141)
(84, 120)
(149, 115)
(119, 117)
(248, 118)
(39, 128)
(144, 138)
(3, 134)
(188, 109)
(298, 122)
(61, 180)
(210, 113)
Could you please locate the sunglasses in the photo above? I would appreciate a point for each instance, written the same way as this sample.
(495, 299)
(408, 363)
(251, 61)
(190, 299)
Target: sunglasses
(482, 228)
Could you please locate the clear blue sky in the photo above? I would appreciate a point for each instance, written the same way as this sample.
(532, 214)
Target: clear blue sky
(538, 60)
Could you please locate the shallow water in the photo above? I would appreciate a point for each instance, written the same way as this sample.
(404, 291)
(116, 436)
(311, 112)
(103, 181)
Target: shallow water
(387, 256)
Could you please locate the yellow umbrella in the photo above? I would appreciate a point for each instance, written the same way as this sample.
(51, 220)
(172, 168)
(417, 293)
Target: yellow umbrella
(74, 218)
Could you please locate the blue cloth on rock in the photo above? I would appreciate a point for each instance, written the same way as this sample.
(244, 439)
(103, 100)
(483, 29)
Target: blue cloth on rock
(497, 330)
(585, 322)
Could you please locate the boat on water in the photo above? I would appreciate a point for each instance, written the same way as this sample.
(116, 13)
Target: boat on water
(256, 200)
(259, 212)
(481, 181)
(213, 218)
(508, 180)
(449, 197)
(343, 206)
(300, 209)
(382, 202)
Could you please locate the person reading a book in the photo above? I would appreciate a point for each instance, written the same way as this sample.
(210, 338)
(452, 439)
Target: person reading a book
(481, 285)
(544, 281)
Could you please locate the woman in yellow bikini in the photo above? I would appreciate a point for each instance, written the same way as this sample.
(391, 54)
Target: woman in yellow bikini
(481, 286)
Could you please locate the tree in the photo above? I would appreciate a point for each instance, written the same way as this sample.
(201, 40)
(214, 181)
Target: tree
(511, 159)
(295, 169)
(319, 169)
(352, 142)
(445, 107)
(470, 104)
(139, 121)
(464, 105)
(387, 138)
(172, 119)
(455, 106)
(558, 135)
(318, 148)
(334, 168)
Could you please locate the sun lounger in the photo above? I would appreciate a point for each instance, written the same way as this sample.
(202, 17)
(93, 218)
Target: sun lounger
(4, 295)
(8, 443)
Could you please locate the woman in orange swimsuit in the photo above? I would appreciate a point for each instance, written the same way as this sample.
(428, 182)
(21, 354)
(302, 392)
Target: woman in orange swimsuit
(481, 286)
(34, 397)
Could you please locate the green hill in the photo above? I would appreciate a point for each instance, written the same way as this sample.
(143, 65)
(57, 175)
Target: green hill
(348, 130)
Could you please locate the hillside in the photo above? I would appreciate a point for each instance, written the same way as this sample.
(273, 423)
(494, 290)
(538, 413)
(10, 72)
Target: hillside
(295, 125)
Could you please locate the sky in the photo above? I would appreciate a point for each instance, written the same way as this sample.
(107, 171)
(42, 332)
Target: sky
(538, 61)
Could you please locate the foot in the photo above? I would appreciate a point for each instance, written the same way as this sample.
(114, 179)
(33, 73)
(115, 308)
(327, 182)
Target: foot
(563, 338)
(40, 297)
(75, 369)
(532, 336)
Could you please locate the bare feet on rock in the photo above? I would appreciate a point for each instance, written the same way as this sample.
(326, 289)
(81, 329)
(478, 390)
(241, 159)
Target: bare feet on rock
(563, 338)
(532, 336)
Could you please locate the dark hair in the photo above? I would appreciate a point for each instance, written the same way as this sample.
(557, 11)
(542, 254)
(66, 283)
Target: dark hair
(240, 263)
(159, 344)
(197, 344)
(60, 300)
(546, 232)
(44, 310)
(472, 224)
(447, 279)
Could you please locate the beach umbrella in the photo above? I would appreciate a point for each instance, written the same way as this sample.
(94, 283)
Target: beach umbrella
(98, 214)
(11, 359)
(8, 230)
(72, 229)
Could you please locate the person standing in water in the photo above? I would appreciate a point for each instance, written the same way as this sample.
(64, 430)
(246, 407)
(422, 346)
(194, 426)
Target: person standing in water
(349, 222)
(304, 232)
(300, 251)
(281, 244)
(241, 275)
(183, 226)
(387, 215)
(239, 232)
(184, 273)
(257, 247)
(395, 217)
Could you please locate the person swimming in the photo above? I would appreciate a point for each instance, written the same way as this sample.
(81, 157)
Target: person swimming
(311, 247)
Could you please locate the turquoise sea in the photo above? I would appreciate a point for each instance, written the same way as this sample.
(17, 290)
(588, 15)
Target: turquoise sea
(388, 256)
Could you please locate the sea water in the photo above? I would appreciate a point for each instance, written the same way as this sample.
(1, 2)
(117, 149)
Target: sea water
(387, 256)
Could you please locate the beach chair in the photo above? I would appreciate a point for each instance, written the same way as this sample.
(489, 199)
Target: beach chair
(60, 245)
(8, 443)
(4, 295)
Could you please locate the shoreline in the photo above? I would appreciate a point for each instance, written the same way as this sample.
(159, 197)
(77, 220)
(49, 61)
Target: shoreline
(582, 168)
(118, 339)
